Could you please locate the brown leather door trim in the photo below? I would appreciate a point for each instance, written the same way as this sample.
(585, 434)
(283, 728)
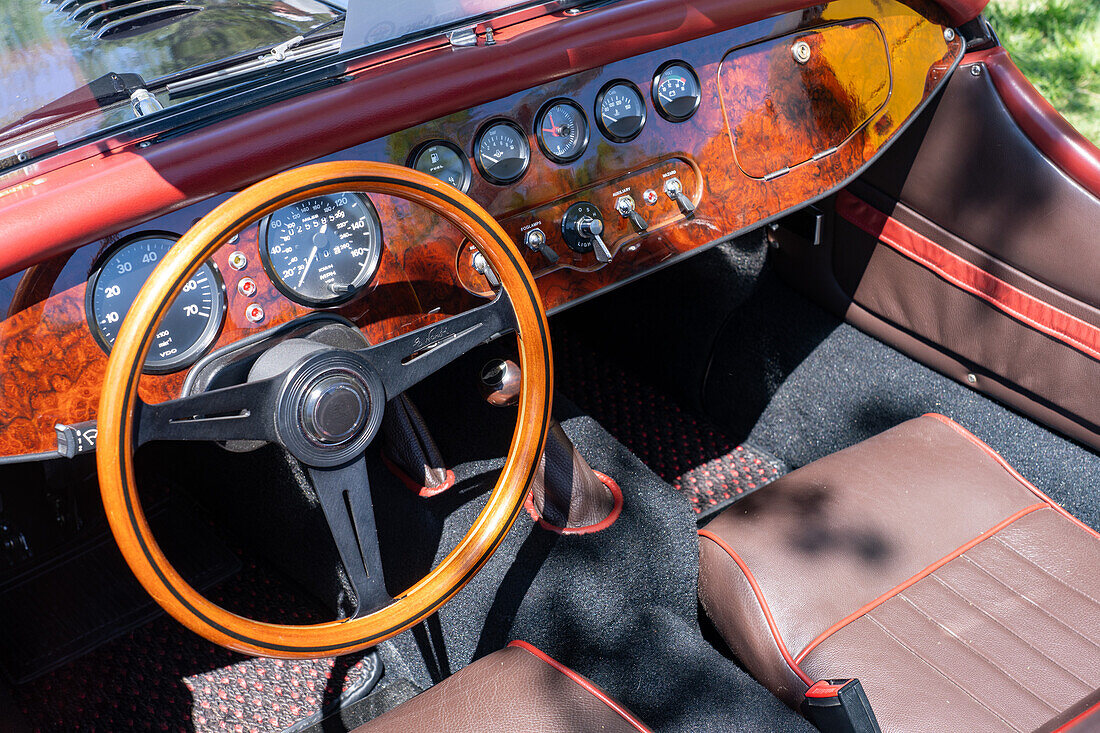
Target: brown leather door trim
(1010, 300)
(1052, 134)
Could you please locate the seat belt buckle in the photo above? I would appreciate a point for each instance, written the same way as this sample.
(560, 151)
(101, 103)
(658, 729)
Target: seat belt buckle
(839, 706)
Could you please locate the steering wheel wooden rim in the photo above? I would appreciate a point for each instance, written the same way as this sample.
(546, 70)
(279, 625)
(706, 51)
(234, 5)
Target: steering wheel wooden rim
(116, 418)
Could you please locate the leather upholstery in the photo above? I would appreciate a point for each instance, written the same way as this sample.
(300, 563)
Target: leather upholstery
(411, 451)
(566, 493)
(515, 689)
(921, 563)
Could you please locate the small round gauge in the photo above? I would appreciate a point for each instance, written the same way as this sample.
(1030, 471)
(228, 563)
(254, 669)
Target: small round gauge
(562, 130)
(323, 250)
(620, 111)
(502, 152)
(444, 161)
(676, 91)
(191, 323)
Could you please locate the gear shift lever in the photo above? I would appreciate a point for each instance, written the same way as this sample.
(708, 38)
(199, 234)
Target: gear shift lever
(566, 493)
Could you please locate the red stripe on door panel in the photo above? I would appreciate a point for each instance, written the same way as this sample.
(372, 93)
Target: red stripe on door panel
(1012, 301)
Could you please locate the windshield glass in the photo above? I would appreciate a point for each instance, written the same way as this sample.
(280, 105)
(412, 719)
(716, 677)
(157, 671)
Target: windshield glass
(72, 67)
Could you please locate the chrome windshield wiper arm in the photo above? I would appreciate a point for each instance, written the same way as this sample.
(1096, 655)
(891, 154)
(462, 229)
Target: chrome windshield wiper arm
(109, 89)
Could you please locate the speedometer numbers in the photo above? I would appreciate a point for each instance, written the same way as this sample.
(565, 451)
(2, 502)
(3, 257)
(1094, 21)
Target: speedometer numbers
(676, 91)
(323, 250)
(189, 326)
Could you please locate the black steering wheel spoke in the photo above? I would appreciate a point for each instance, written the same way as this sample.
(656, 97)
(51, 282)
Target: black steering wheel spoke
(405, 360)
(240, 412)
(345, 497)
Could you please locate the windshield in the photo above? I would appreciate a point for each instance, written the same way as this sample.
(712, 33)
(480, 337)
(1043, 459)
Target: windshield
(73, 68)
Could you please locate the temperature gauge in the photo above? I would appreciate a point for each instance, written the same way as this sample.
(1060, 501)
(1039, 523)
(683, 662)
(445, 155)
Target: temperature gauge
(620, 111)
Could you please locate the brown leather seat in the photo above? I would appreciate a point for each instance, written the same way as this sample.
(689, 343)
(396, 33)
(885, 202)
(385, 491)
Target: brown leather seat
(920, 562)
(518, 688)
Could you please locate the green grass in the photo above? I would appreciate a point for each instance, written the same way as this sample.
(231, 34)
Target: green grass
(1056, 43)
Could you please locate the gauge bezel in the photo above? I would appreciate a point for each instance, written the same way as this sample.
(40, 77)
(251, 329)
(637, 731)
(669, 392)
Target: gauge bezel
(656, 82)
(467, 171)
(209, 335)
(558, 101)
(477, 154)
(370, 268)
(596, 114)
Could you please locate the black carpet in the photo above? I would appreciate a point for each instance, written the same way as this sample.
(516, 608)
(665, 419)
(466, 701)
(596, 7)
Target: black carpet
(775, 371)
(619, 606)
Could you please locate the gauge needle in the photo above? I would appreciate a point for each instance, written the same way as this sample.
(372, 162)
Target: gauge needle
(309, 261)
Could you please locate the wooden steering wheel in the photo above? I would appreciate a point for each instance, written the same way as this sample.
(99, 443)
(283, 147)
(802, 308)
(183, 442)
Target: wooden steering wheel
(324, 407)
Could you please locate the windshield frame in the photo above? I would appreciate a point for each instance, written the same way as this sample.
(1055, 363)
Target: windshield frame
(281, 80)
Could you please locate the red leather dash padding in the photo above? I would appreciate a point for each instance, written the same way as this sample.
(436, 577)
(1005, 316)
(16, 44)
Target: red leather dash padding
(585, 683)
(1006, 298)
(782, 645)
(922, 574)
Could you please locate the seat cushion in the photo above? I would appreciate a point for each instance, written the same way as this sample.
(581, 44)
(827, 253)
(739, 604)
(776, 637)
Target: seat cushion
(518, 688)
(921, 563)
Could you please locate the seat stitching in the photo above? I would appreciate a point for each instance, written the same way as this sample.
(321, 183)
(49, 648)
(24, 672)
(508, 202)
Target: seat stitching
(1045, 571)
(940, 672)
(1027, 598)
(982, 611)
(973, 650)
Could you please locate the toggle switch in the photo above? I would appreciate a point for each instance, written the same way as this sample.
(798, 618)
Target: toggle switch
(482, 267)
(535, 240)
(627, 210)
(675, 191)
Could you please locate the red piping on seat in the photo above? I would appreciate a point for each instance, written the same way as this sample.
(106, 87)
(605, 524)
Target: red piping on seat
(791, 662)
(1012, 471)
(585, 683)
(1021, 306)
(1069, 724)
(616, 510)
(922, 574)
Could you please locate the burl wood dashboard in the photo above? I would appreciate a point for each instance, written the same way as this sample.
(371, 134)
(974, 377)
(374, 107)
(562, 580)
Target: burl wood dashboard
(790, 109)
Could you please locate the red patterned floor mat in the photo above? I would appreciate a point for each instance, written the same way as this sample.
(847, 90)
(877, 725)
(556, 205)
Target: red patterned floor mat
(683, 448)
(163, 677)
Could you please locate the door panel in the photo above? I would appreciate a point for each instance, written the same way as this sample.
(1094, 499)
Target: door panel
(969, 249)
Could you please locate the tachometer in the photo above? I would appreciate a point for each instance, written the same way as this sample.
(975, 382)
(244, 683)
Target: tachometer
(676, 92)
(323, 250)
(191, 323)
(502, 152)
(620, 111)
(562, 130)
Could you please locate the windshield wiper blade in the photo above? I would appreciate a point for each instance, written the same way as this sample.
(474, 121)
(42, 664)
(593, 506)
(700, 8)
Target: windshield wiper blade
(109, 89)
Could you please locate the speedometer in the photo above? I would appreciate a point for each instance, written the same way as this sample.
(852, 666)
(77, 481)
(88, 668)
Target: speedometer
(188, 327)
(323, 250)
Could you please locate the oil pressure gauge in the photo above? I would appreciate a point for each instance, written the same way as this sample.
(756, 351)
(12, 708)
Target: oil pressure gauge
(502, 152)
